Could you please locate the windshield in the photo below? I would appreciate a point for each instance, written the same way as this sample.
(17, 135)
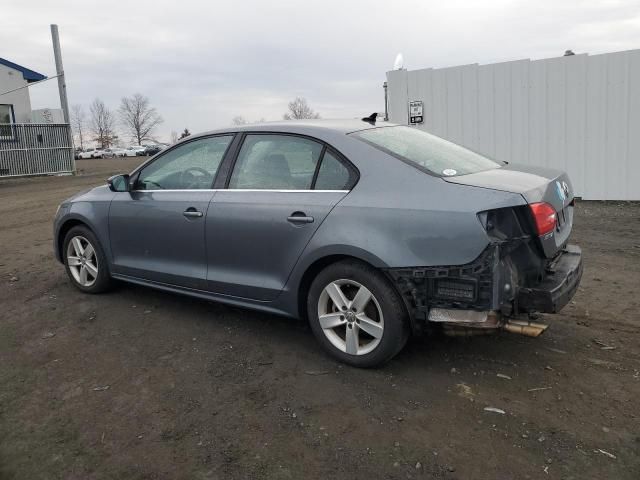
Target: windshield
(428, 152)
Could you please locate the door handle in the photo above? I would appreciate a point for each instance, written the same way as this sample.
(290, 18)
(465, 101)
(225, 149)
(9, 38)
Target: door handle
(192, 213)
(299, 217)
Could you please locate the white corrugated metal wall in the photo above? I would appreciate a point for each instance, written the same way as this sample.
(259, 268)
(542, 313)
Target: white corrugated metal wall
(578, 113)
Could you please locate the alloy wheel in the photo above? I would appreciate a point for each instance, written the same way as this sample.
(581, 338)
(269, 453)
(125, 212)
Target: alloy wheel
(82, 261)
(350, 317)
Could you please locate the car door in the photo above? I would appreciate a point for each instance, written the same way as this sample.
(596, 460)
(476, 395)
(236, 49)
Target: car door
(259, 225)
(157, 230)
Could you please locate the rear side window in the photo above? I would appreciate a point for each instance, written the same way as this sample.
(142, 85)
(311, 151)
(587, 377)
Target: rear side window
(275, 162)
(425, 151)
(333, 174)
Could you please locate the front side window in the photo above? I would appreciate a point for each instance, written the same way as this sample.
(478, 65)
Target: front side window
(191, 166)
(428, 152)
(275, 162)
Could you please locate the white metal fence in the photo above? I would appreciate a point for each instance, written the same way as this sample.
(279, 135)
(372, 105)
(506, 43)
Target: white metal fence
(577, 113)
(35, 149)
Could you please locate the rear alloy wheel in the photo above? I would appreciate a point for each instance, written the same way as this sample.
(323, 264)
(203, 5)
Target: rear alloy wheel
(85, 262)
(356, 314)
(350, 317)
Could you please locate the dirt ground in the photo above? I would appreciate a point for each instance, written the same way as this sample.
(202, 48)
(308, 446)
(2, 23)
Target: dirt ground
(140, 384)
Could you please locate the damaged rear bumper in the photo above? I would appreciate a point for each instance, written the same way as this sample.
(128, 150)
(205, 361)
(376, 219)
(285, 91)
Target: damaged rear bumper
(558, 287)
(503, 283)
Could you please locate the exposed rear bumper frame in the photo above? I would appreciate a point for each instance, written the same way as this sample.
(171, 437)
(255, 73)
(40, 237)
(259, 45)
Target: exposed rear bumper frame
(498, 285)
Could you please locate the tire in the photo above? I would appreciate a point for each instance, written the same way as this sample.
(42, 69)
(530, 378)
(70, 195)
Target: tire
(365, 337)
(76, 260)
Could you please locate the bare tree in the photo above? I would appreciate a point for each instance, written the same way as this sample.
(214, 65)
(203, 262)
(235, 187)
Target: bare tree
(102, 123)
(138, 117)
(185, 134)
(79, 122)
(299, 109)
(240, 120)
(174, 136)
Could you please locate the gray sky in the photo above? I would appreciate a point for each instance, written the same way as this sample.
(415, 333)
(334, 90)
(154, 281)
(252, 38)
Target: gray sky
(204, 62)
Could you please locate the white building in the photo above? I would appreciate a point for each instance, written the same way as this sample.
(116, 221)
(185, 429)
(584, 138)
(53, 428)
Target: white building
(31, 142)
(15, 107)
(578, 113)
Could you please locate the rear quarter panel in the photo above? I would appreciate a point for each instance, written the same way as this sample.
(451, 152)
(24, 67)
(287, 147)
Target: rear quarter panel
(424, 223)
(405, 217)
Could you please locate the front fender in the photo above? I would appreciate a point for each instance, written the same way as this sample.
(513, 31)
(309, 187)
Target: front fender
(90, 209)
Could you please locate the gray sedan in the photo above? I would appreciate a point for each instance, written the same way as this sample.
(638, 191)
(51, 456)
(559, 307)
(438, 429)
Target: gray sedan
(372, 232)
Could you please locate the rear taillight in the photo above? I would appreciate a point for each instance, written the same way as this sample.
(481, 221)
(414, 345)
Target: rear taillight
(544, 216)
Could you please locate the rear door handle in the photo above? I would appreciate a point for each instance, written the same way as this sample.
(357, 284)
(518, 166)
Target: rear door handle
(192, 213)
(299, 217)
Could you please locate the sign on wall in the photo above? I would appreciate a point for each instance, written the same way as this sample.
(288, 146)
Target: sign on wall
(415, 112)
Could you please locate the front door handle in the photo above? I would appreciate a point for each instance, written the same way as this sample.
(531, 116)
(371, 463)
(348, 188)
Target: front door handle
(192, 213)
(299, 217)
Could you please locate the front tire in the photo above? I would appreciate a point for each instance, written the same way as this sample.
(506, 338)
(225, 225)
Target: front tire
(85, 261)
(356, 314)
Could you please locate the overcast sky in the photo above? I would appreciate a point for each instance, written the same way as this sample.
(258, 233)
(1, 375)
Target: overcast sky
(203, 62)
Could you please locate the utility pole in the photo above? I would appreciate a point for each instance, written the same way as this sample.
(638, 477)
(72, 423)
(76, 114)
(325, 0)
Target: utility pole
(62, 86)
(62, 89)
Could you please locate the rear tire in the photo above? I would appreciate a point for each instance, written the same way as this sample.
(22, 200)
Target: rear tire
(356, 314)
(85, 261)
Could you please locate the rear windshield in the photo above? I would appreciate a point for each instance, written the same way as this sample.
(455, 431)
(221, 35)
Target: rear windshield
(428, 152)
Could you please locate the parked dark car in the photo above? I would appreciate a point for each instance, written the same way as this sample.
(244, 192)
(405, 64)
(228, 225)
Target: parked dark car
(152, 149)
(373, 232)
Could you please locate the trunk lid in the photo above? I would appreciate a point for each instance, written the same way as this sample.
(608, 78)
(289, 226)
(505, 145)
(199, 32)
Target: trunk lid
(535, 184)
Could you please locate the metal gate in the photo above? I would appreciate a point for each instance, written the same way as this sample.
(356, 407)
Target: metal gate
(35, 149)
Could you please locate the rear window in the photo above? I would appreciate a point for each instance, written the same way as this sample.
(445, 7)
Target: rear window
(425, 151)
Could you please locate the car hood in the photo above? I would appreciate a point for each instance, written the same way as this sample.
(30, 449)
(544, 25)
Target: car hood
(535, 184)
(89, 194)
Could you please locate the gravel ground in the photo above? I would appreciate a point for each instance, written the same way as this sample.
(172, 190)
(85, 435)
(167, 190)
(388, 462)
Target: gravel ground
(141, 384)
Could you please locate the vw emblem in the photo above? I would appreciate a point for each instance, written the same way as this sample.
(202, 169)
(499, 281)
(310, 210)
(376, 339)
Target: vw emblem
(563, 190)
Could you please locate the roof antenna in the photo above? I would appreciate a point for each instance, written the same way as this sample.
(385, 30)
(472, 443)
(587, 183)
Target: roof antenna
(371, 118)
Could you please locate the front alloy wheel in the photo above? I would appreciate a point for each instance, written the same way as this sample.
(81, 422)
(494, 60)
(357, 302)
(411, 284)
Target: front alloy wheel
(85, 261)
(82, 261)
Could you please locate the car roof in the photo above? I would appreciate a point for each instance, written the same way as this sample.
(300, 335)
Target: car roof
(310, 127)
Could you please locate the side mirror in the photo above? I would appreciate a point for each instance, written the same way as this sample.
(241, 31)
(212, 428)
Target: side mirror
(119, 183)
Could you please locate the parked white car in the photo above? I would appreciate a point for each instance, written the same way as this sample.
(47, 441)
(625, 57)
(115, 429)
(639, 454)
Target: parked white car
(86, 153)
(119, 152)
(134, 151)
(108, 153)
